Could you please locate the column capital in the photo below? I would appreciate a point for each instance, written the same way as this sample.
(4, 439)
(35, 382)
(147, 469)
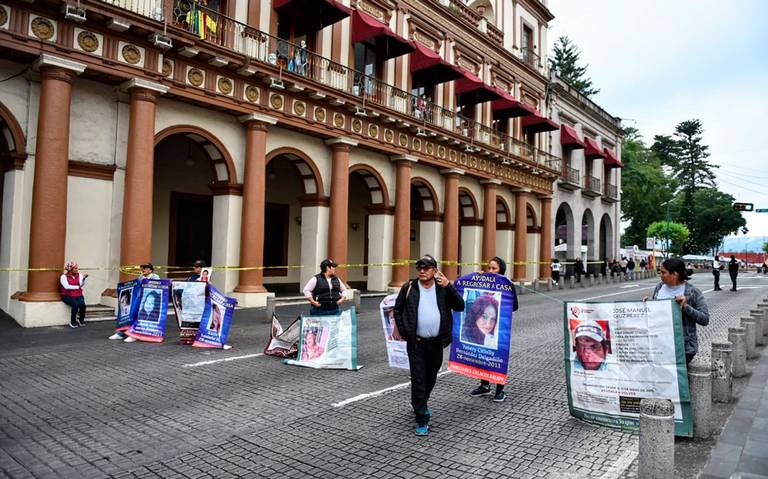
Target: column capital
(451, 171)
(490, 182)
(341, 141)
(142, 84)
(545, 199)
(257, 118)
(404, 158)
(46, 60)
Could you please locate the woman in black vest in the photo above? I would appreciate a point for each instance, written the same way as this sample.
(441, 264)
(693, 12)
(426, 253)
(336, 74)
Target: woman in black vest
(324, 291)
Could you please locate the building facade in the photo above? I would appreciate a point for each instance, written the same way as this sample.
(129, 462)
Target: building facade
(268, 135)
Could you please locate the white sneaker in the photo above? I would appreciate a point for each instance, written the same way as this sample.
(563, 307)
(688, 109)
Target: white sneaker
(129, 340)
(117, 336)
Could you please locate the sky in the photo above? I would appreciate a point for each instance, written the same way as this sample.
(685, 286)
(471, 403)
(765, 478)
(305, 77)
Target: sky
(660, 62)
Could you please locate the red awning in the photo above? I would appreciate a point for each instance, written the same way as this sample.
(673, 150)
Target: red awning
(388, 43)
(507, 106)
(537, 123)
(611, 161)
(313, 14)
(430, 67)
(569, 137)
(592, 150)
(472, 90)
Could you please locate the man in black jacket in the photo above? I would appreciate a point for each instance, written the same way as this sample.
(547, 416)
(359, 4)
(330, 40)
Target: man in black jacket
(425, 321)
(733, 270)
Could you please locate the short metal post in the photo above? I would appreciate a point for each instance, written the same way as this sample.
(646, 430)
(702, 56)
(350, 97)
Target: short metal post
(657, 439)
(749, 327)
(722, 378)
(737, 337)
(700, 384)
(356, 299)
(270, 307)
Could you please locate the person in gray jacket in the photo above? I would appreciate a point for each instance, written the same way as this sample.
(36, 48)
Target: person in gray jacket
(674, 285)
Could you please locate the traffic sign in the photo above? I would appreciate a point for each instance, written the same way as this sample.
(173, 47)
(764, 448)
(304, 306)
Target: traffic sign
(761, 210)
(743, 206)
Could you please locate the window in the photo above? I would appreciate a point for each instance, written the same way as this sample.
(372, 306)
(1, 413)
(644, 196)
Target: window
(367, 63)
(423, 93)
(292, 34)
(526, 45)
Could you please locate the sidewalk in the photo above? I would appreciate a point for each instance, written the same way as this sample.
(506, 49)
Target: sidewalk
(742, 448)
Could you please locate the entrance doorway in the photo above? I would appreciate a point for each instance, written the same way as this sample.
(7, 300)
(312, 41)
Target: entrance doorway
(276, 242)
(190, 236)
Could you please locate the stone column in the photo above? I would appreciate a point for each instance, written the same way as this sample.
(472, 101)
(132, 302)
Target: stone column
(339, 198)
(254, 198)
(489, 219)
(700, 383)
(48, 222)
(546, 245)
(401, 238)
(136, 231)
(521, 235)
(656, 446)
(737, 337)
(750, 328)
(722, 380)
(451, 222)
(759, 317)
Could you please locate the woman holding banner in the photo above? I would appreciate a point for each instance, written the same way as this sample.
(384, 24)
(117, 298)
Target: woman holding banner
(497, 266)
(674, 285)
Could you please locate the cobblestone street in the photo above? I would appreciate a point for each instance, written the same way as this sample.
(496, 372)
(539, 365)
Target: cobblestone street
(76, 405)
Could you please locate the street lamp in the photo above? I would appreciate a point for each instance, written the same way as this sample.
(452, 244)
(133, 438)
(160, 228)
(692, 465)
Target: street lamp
(666, 253)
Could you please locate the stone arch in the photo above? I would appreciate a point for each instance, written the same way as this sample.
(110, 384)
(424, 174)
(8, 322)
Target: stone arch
(606, 237)
(588, 235)
(221, 161)
(13, 145)
(311, 180)
(565, 233)
(424, 198)
(503, 213)
(467, 205)
(377, 188)
(531, 221)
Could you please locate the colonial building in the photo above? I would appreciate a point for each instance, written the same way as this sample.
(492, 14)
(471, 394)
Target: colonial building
(272, 133)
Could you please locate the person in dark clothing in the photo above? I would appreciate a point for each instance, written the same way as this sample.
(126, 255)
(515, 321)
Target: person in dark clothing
(716, 267)
(197, 268)
(733, 271)
(423, 314)
(578, 269)
(498, 266)
(325, 291)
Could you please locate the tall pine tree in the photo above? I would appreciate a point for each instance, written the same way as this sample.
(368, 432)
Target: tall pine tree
(565, 63)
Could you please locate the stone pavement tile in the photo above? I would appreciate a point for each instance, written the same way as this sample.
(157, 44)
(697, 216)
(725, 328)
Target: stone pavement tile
(753, 464)
(720, 467)
(736, 431)
(756, 448)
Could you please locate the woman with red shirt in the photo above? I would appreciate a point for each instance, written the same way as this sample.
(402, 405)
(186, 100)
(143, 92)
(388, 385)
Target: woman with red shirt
(72, 293)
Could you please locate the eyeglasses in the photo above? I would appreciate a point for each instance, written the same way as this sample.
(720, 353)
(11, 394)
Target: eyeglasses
(423, 268)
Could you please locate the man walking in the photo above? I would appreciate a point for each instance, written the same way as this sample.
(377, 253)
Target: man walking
(424, 320)
(733, 270)
(716, 266)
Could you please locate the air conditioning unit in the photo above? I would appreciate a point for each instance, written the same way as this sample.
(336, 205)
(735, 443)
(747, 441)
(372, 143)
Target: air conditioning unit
(73, 13)
(161, 41)
(421, 132)
(276, 83)
(360, 111)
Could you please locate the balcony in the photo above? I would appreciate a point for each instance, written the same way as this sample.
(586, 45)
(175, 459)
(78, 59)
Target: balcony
(147, 8)
(530, 58)
(611, 193)
(569, 179)
(591, 187)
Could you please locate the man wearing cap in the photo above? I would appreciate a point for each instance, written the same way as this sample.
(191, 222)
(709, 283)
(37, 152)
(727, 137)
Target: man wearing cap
(424, 320)
(197, 268)
(325, 291)
(591, 346)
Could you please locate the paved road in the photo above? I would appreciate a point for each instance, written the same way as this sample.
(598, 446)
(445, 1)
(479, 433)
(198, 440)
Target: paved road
(73, 404)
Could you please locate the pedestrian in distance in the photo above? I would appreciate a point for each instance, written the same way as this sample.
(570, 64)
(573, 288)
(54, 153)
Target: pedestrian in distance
(197, 269)
(716, 267)
(623, 267)
(72, 282)
(555, 267)
(147, 272)
(325, 291)
(643, 264)
(674, 285)
(631, 269)
(497, 266)
(578, 269)
(423, 314)
(733, 271)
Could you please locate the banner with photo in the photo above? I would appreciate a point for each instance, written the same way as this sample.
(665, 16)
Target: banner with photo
(328, 342)
(619, 353)
(216, 320)
(128, 295)
(283, 344)
(397, 352)
(482, 332)
(189, 303)
(149, 321)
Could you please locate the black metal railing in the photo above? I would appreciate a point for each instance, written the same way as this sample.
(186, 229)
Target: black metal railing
(294, 61)
(592, 183)
(571, 175)
(611, 191)
(530, 57)
(148, 8)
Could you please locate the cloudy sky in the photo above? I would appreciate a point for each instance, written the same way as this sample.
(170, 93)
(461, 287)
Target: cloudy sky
(660, 62)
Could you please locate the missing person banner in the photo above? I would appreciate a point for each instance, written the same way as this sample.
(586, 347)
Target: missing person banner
(482, 332)
(396, 349)
(189, 303)
(283, 344)
(619, 353)
(216, 320)
(328, 342)
(149, 320)
(128, 295)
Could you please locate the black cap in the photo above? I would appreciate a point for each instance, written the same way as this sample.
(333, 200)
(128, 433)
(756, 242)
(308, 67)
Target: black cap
(199, 264)
(427, 260)
(326, 263)
(148, 265)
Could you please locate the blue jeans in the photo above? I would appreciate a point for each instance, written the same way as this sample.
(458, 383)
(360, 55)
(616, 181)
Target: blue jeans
(313, 311)
(78, 306)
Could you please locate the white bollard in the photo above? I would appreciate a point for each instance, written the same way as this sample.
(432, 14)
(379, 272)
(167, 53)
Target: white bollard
(700, 384)
(657, 439)
(749, 327)
(722, 378)
(737, 337)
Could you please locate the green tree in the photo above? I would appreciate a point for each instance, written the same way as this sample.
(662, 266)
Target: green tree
(645, 187)
(565, 62)
(765, 247)
(677, 233)
(715, 219)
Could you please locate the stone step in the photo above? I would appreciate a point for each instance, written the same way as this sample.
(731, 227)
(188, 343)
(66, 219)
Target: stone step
(94, 311)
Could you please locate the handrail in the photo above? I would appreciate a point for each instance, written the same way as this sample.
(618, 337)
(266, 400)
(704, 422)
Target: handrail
(147, 8)
(295, 60)
(571, 174)
(611, 191)
(592, 183)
